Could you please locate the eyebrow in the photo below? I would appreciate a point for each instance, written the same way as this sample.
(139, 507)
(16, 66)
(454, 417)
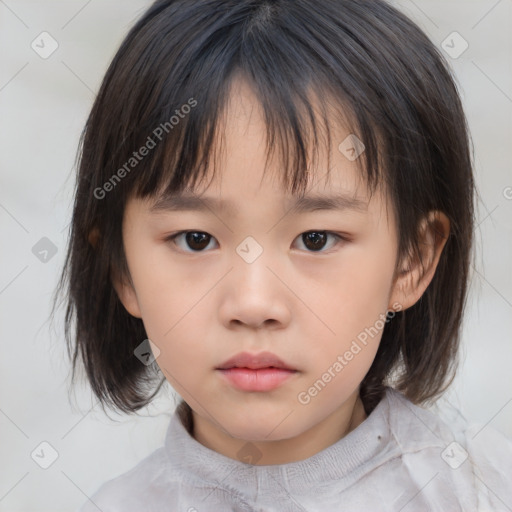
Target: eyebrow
(301, 204)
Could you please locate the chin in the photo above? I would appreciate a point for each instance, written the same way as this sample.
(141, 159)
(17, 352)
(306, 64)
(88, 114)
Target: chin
(266, 428)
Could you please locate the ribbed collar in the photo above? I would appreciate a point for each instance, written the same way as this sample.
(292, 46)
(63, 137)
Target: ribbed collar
(196, 461)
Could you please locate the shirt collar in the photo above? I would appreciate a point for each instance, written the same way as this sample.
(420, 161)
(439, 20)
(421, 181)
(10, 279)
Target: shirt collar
(335, 462)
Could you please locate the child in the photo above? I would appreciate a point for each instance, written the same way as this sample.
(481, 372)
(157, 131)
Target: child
(304, 303)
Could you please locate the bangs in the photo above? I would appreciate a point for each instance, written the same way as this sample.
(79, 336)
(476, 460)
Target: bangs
(290, 73)
(297, 132)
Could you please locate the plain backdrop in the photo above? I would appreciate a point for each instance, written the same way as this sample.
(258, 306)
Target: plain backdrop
(44, 103)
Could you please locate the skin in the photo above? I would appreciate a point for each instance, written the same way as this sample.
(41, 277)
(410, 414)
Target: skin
(306, 306)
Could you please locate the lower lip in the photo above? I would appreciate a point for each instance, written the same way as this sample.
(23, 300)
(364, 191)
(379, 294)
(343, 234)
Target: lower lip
(264, 379)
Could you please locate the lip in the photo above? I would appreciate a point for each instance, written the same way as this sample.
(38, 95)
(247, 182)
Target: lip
(256, 372)
(263, 379)
(255, 362)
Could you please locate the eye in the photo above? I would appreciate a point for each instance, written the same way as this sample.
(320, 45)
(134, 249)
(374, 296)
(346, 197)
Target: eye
(197, 241)
(315, 241)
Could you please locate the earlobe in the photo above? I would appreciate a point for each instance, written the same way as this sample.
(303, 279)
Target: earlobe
(417, 271)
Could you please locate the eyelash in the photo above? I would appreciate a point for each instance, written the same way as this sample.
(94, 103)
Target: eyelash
(340, 239)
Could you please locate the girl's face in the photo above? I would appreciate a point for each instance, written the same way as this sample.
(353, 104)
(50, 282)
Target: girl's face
(247, 278)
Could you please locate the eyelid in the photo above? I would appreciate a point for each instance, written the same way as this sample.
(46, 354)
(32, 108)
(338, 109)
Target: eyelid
(341, 238)
(170, 239)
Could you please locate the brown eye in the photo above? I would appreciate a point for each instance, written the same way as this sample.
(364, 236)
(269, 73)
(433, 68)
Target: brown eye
(315, 241)
(195, 241)
(198, 241)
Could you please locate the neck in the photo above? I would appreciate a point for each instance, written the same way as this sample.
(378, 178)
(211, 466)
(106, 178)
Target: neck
(331, 429)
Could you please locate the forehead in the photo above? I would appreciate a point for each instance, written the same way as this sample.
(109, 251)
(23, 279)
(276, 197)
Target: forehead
(245, 175)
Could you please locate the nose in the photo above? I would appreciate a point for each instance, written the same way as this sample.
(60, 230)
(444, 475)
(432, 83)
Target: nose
(254, 295)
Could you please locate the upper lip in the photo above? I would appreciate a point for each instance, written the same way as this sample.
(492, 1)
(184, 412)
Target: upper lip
(254, 361)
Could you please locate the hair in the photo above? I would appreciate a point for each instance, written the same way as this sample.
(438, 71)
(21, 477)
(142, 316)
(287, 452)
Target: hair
(391, 85)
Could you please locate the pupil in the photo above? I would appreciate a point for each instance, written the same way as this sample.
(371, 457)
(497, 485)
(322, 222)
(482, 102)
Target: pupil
(317, 239)
(197, 240)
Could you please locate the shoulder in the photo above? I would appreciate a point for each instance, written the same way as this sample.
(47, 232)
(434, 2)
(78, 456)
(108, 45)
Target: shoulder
(489, 454)
(129, 491)
(475, 458)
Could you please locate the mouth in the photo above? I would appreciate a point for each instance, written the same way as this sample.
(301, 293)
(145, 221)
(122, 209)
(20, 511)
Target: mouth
(261, 361)
(256, 372)
(259, 379)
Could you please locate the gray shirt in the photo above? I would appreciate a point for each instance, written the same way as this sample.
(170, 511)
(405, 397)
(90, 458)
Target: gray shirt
(402, 457)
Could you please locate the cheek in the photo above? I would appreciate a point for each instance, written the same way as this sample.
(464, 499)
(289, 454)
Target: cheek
(360, 286)
(165, 290)
(172, 298)
(353, 304)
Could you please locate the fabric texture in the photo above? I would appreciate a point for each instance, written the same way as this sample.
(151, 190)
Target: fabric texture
(402, 457)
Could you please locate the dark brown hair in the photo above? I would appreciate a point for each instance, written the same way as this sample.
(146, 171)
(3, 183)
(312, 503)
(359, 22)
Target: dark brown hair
(172, 76)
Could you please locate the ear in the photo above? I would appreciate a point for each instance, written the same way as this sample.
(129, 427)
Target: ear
(416, 273)
(127, 295)
(124, 289)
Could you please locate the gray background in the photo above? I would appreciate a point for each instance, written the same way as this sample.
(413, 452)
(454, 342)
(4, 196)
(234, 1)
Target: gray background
(43, 106)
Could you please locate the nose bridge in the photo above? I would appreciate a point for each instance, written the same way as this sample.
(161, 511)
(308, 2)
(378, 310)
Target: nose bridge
(252, 258)
(253, 294)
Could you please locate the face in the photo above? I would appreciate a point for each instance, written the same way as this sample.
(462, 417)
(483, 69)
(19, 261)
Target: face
(310, 286)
